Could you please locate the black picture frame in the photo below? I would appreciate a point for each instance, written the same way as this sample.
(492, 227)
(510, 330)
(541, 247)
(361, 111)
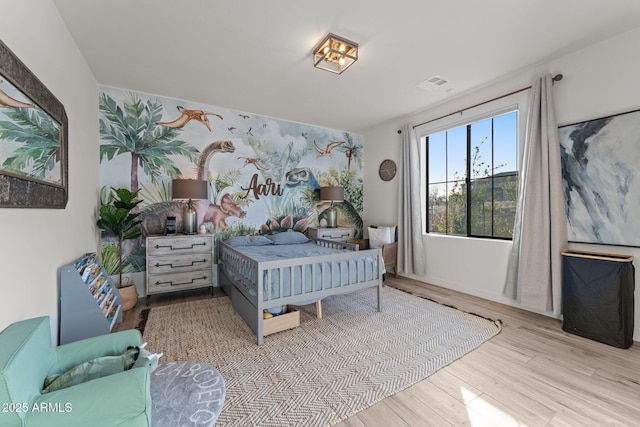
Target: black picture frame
(22, 192)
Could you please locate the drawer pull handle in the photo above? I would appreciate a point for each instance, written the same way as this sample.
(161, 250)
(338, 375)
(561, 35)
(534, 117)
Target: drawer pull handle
(171, 248)
(330, 235)
(170, 282)
(180, 266)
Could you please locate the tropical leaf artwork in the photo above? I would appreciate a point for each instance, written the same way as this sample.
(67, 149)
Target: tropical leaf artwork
(30, 144)
(132, 129)
(352, 151)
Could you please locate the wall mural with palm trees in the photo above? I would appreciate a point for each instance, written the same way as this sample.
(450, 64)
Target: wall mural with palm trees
(264, 174)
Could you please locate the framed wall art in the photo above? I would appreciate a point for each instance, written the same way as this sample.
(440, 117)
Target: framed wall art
(33, 139)
(601, 178)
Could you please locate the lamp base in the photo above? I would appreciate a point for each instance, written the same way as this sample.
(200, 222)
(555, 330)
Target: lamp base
(189, 221)
(332, 218)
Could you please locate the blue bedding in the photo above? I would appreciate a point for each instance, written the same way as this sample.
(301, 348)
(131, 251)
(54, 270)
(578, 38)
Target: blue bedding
(327, 275)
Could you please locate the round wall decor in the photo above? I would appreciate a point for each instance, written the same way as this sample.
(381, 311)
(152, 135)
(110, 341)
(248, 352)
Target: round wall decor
(387, 170)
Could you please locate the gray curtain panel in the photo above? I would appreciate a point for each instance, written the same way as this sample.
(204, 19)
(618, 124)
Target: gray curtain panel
(411, 254)
(534, 271)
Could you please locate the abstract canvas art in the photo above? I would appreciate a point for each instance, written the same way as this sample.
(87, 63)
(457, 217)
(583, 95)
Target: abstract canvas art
(601, 178)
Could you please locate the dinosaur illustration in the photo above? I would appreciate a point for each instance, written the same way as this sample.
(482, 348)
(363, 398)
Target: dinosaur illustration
(347, 215)
(153, 217)
(285, 223)
(188, 115)
(253, 161)
(11, 102)
(301, 177)
(327, 149)
(208, 152)
(217, 214)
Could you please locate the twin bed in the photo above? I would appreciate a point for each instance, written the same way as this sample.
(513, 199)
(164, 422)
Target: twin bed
(268, 273)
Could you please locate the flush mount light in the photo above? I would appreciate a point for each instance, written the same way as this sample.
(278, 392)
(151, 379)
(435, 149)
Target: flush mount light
(335, 54)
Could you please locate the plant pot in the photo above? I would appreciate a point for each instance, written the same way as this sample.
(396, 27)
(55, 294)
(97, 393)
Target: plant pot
(129, 296)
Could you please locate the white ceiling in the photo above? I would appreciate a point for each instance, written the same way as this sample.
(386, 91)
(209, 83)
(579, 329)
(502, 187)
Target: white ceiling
(255, 55)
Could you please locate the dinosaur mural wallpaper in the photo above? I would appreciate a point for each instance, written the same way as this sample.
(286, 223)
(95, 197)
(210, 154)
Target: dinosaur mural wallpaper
(264, 174)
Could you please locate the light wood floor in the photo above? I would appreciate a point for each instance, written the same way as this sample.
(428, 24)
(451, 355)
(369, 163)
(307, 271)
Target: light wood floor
(531, 374)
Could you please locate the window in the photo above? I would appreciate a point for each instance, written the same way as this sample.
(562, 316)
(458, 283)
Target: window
(472, 177)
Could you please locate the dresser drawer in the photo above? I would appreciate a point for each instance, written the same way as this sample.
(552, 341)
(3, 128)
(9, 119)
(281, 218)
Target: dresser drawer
(161, 283)
(340, 234)
(178, 245)
(179, 263)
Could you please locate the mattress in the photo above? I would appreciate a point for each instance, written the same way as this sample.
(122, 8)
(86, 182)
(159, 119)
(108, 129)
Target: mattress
(288, 281)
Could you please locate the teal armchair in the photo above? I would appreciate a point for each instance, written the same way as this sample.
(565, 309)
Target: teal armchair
(27, 357)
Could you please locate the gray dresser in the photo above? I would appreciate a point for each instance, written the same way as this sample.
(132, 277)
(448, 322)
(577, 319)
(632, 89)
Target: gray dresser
(181, 262)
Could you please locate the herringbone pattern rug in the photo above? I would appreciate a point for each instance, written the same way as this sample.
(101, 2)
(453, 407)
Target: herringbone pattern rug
(325, 370)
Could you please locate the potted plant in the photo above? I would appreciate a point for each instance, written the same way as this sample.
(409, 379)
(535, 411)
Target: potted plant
(118, 217)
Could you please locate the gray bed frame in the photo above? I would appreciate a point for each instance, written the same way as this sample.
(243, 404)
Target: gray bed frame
(239, 271)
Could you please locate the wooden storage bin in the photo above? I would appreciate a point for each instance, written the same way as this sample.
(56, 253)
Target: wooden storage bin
(363, 244)
(288, 320)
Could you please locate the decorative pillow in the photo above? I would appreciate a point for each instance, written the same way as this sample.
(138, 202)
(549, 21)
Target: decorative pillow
(133, 357)
(288, 238)
(248, 241)
(381, 236)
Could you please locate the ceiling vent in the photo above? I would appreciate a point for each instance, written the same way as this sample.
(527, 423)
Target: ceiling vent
(434, 82)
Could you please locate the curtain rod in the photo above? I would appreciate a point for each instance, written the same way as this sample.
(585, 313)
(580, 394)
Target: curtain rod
(554, 79)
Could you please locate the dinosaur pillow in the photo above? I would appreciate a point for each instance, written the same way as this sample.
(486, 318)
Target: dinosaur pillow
(133, 357)
(288, 238)
(248, 241)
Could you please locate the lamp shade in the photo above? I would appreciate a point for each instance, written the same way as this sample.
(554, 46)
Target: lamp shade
(331, 194)
(189, 189)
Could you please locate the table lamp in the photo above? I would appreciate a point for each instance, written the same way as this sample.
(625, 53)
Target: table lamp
(332, 194)
(189, 189)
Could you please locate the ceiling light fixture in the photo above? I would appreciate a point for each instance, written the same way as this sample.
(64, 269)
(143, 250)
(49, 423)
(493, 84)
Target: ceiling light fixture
(335, 54)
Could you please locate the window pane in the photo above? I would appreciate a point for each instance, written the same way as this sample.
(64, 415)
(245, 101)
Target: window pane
(505, 137)
(437, 205)
(457, 153)
(481, 145)
(505, 195)
(457, 209)
(481, 209)
(437, 157)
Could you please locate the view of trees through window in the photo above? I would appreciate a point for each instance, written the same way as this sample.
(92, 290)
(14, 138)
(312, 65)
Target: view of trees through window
(472, 178)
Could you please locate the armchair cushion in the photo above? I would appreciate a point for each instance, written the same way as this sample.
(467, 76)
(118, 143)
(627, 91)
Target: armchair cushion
(123, 398)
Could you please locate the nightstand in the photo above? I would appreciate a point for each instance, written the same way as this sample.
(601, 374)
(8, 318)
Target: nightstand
(180, 262)
(337, 234)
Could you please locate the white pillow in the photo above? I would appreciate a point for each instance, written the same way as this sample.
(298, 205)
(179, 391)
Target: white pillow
(381, 236)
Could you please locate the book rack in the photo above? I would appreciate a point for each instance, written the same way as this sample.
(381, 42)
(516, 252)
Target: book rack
(89, 302)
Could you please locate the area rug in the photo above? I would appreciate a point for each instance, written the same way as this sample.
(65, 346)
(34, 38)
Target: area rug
(325, 370)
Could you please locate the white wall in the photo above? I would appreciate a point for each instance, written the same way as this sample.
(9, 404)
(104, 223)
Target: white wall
(34, 243)
(598, 81)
